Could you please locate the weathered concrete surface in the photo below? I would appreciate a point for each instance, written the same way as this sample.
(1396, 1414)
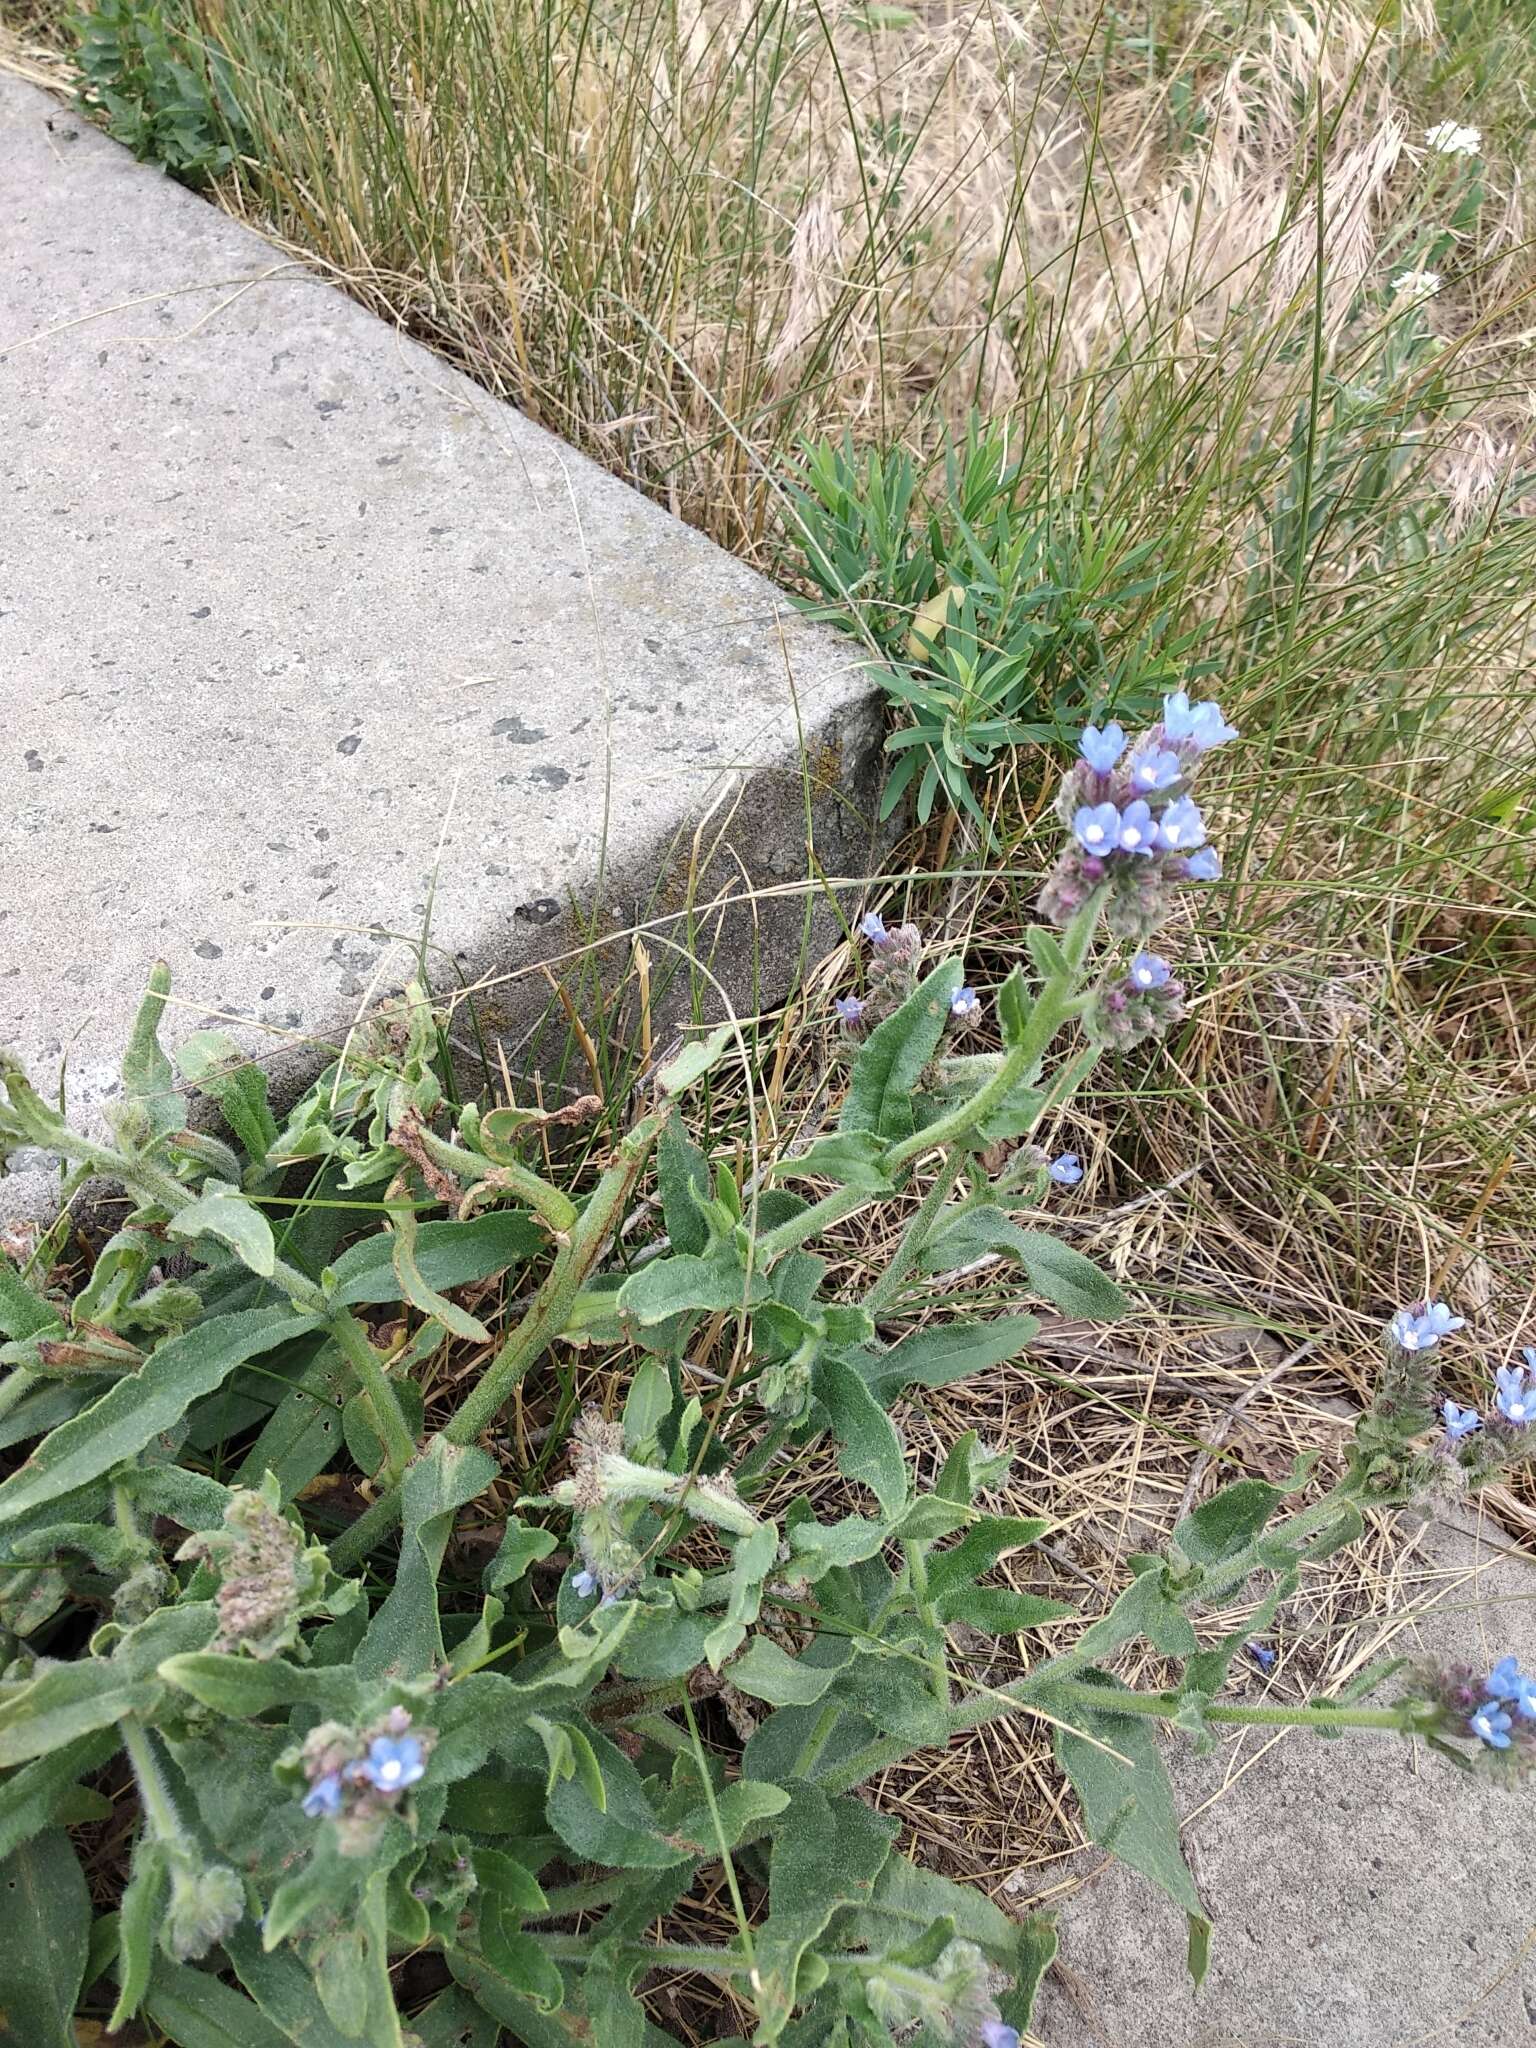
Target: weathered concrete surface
(1365, 1896)
(288, 608)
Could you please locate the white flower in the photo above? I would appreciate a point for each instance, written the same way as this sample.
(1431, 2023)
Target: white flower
(1451, 139)
(1411, 286)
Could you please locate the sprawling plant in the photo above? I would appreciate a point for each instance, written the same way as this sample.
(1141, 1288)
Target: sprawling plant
(353, 1752)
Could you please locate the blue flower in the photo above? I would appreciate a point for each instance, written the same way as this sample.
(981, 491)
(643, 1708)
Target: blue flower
(1204, 866)
(1201, 724)
(1505, 1679)
(965, 1003)
(1097, 827)
(1159, 769)
(1491, 1724)
(1181, 828)
(1421, 1327)
(1459, 1422)
(1101, 750)
(1148, 971)
(1138, 834)
(872, 925)
(1067, 1169)
(323, 1800)
(1262, 1655)
(996, 2034)
(392, 1763)
(583, 1585)
(849, 1009)
(1516, 1395)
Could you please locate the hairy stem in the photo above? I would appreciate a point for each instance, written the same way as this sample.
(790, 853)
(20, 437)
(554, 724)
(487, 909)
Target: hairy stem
(354, 1344)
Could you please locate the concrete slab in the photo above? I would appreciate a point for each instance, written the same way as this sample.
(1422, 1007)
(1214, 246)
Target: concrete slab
(290, 612)
(1365, 1895)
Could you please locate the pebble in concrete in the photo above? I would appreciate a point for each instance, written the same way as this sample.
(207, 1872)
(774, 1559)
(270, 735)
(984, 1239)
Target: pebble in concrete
(1365, 1894)
(292, 614)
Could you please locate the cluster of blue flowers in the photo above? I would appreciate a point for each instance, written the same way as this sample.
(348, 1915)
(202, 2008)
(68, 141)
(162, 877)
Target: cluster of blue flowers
(393, 1761)
(1132, 819)
(1419, 1328)
(1508, 1705)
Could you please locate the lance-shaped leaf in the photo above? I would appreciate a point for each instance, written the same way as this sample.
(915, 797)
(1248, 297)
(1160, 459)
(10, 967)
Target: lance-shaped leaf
(827, 1855)
(891, 1060)
(133, 1412)
(677, 1286)
(625, 1832)
(1062, 1276)
(405, 1638)
(871, 1450)
(1126, 1798)
(213, 1062)
(47, 1934)
(30, 1798)
(241, 1687)
(224, 1213)
(196, 2010)
(686, 1187)
(764, 1671)
(447, 1254)
(417, 1289)
(944, 1353)
(150, 1106)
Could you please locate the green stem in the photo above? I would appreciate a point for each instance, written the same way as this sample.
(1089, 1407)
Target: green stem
(888, 1286)
(547, 1315)
(557, 1210)
(354, 1344)
(917, 1573)
(371, 1527)
(1163, 1706)
(156, 1801)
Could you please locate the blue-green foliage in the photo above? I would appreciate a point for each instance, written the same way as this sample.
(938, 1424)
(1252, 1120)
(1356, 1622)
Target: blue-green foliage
(344, 1757)
(160, 87)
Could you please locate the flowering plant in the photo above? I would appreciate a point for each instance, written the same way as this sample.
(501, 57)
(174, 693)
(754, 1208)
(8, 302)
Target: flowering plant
(344, 1757)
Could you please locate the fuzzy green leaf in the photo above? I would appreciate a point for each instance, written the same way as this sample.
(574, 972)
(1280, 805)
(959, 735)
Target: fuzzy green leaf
(197, 2011)
(1127, 1806)
(30, 1798)
(944, 1353)
(987, 1540)
(891, 1060)
(417, 1289)
(764, 1671)
(683, 1172)
(827, 1855)
(695, 1060)
(404, 1638)
(871, 1452)
(854, 1159)
(133, 1412)
(47, 1919)
(679, 1285)
(1062, 1276)
(224, 1213)
(447, 1253)
(626, 1835)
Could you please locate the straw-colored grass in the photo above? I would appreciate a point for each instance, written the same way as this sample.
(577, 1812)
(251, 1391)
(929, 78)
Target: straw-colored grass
(1160, 247)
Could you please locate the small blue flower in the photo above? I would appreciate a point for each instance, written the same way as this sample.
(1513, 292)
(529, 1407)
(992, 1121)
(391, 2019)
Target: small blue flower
(1148, 971)
(996, 2034)
(583, 1585)
(1505, 1679)
(1491, 1724)
(1138, 834)
(849, 1009)
(1262, 1655)
(1067, 1169)
(1159, 769)
(1516, 1395)
(1201, 724)
(872, 925)
(1204, 866)
(1102, 749)
(323, 1800)
(392, 1763)
(1459, 1422)
(1421, 1327)
(965, 1003)
(1210, 729)
(1528, 1353)
(1181, 828)
(1097, 827)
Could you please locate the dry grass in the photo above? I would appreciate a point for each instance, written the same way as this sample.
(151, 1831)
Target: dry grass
(749, 223)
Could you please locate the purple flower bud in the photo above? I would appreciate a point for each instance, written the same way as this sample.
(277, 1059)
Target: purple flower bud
(1067, 1169)
(965, 1004)
(1148, 971)
(1262, 1655)
(1181, 828)
(849, 1009)
(1204, 866)
(1096, 828)
(1102, 749)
